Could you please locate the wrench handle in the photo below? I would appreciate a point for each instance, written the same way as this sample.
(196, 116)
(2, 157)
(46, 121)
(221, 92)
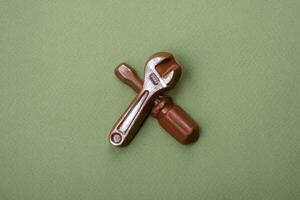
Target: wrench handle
(131, 120)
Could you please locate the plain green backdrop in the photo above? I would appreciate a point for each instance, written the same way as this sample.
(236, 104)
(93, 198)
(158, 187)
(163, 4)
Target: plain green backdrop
(59, 99)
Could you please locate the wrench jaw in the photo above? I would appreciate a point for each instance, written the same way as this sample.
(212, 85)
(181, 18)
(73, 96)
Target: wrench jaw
(173, 76)
(162, 72)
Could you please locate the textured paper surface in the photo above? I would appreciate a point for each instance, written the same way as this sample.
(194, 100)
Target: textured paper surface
(59, 99)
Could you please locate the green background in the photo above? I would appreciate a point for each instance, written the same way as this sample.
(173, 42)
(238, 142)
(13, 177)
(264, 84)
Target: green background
(59, 99)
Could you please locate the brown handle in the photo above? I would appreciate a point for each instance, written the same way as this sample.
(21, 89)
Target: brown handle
(171, 117)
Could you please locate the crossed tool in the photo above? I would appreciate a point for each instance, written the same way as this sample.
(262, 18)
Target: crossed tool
(162, 72)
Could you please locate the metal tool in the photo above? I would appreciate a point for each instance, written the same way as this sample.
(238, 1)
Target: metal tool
(170, 116)
(161, 73)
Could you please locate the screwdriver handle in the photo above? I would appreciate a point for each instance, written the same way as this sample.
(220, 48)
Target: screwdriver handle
(170, 116)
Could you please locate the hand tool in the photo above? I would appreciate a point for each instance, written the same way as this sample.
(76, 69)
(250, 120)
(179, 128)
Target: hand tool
(170, 116)
(161, 73)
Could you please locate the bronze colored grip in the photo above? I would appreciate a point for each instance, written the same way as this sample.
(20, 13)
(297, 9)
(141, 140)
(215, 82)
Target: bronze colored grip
(170, 116)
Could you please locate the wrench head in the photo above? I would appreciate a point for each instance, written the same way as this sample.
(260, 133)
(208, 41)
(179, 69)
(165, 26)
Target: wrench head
(162, 71)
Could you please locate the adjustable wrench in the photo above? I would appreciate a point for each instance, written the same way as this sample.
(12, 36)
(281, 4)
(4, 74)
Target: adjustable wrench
(161, 74)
